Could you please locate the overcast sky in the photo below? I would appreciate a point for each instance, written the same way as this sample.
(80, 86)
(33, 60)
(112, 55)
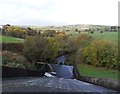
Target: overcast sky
(59, 12)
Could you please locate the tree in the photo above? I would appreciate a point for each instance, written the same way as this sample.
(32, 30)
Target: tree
(76, 30)
(35, 48)
(15, 31)
(49, 33)
(101, 53)
(39, 48)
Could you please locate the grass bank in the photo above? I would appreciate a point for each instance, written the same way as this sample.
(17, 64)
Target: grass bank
(91, 71)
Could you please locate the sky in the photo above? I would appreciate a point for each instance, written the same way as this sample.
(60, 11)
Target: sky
(59, 12)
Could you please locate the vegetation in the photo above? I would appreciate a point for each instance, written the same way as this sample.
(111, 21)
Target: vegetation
(111, 36)
(90, 48)
(39, 48)
(101, 54)
(15, 60)
(13, 47)
(16, 31)
(35, 48)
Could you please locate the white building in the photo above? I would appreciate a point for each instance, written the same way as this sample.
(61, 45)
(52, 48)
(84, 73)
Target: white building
(1, 27)
(84, 29)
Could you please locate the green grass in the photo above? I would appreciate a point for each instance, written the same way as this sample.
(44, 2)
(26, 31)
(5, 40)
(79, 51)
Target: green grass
(112, 36)
(8, 39)
(87, 70)
(90, 71)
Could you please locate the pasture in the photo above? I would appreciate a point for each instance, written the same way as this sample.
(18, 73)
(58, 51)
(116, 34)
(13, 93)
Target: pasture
(90, 71)
(111, 36)
(8, 39)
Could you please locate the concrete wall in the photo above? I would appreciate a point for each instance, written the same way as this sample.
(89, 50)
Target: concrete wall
(17, 72)
(104, 82)
(75, 72)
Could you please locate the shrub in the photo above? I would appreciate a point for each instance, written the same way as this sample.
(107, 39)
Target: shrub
(101, 53)
(20, 60)
(82, 40)
(5, 59)
(91, 32)
(39, 48)
(15, 65)
(11, 59)
(35, 48)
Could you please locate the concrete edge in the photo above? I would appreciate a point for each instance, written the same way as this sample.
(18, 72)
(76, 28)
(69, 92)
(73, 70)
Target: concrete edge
(104, 82)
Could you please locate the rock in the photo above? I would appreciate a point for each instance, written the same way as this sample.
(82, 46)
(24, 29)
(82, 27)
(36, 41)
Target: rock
(48, 74)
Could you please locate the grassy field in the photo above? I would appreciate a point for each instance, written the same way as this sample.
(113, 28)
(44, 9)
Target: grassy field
(90, 71)
(87, 70)
(8, 39)
(112, 36)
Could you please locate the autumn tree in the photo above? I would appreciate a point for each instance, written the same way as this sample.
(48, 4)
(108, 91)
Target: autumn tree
(39, 48)
(101, 53)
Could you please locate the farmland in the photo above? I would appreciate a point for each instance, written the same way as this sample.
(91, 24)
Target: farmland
(8, 39)
(91, 71)
(111, 36)
(54, 37)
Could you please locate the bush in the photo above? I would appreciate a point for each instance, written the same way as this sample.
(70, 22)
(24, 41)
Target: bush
(101, 53)
(21, 62)
(82, 40)
(5, 59)
(79, 43)
(35, 48)
(11, 59)
(8, 57)
(39, 48)
(91, 32)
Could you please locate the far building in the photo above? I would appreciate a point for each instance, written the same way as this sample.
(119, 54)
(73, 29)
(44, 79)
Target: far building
(1, 27)
(84, 29)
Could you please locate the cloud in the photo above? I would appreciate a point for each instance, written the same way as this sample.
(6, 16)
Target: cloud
(57, 12)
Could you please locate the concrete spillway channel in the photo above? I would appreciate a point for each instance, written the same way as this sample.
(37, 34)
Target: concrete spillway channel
(63, 82)
(54, 84)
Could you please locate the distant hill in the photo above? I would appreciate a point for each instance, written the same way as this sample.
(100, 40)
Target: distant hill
(72, 27)
(67, 27)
